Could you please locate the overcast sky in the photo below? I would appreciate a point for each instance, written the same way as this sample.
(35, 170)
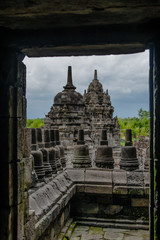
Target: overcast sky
(125, 77)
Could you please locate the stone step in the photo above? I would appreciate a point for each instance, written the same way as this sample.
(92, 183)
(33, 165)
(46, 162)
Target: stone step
(113, 223)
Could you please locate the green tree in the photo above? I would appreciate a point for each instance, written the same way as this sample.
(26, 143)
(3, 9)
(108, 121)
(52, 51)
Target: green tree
(35, 123)
(143, 113)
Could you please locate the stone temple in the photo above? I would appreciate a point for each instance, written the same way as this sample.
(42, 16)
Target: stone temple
(91, 112)
(38, 203)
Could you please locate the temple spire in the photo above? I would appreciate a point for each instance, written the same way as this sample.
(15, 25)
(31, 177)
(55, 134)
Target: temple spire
(95, 75)
(69, 84)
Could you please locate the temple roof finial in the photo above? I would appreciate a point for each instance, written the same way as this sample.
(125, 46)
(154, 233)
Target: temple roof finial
(69, 84)
(95, 74)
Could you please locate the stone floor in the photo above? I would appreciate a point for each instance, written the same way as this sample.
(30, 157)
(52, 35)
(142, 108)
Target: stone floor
(92, 233)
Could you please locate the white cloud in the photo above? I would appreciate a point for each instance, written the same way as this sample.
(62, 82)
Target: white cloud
(125, 76)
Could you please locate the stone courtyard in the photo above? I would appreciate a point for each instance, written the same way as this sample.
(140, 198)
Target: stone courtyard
(83, 232)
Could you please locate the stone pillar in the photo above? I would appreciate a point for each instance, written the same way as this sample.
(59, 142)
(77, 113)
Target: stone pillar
(12, 122)
(104, 156)
(155, 157)
(81, 158)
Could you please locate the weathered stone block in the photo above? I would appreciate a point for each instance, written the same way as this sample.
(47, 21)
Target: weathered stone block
(19, 102)
(80, 188)
(98, 189)
(135, 191)
(9, 144)
(30, 226)
(24, 113)
(27, 142)
(12, 104)
(76, 175)
(119, 177)
(146, 191)
(146, 179)
(113, 235)
(21, 176)
(135, 178)
(112, 209)
(57, 193)
(63, 180)
(88, 208)
(33, 204)
(140, 202)
(68, 179)
(20, 139)
(26, 206)
(20, 225)
(9, 187)
(28, 168)
(60, 185)
(55, 211)
(98, 176)
(122, 190)
(67, 213)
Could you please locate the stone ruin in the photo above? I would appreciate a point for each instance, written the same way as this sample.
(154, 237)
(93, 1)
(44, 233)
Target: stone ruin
(52, 28)
(91, 112)
(112, 191)
(101, 195)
